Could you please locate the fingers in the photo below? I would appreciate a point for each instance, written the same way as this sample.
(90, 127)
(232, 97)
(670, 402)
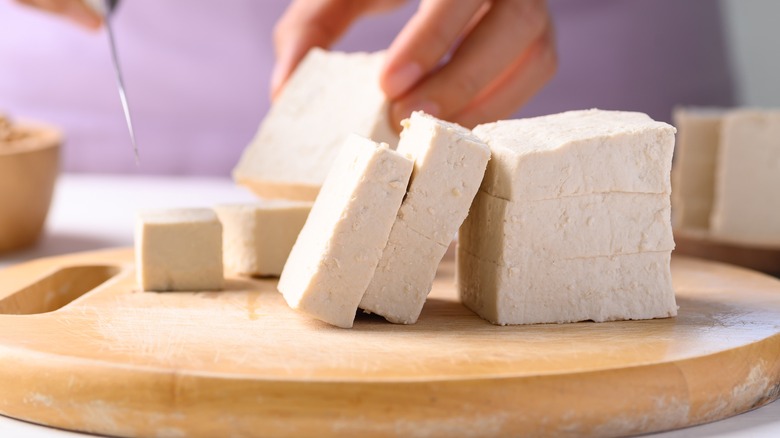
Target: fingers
(423, 42)
(516, 86)
(75, 10)
(494, 46)
(315, 23)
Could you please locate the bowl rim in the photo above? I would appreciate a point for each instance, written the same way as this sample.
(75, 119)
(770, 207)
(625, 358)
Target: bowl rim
(47, 137)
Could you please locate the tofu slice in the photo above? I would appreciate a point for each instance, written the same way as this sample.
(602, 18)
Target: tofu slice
(747, 192)
(339, 247)
(602, 224)
(630, 286)
(695, 161)
(257, 238)
(178, 250)
(572, 221)
(449, 163)
(567, 154)
(329, 96)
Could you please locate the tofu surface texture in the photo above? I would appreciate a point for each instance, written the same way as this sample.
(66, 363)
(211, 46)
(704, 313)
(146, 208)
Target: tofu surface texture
(257, 238)
(329, 96)
(449, 163)
(747, 191)
(572, 221)
(695, 163)
(339, 247)
(179, 250)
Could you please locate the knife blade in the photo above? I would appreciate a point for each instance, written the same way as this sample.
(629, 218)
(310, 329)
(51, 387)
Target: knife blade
(105, 8)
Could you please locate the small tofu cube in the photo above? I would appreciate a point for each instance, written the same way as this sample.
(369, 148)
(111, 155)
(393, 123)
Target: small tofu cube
(178, 250)
(258, 238)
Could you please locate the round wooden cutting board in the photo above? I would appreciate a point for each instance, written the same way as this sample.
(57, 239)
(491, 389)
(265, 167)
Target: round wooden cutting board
(122, 362)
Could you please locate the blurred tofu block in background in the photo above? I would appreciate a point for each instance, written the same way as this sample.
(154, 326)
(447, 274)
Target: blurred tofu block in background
(329, 96)
(257, 238)
(747, 187)
(693, 173)
(179, 250)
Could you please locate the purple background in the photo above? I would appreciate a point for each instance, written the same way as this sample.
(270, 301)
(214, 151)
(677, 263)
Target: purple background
(197, 72)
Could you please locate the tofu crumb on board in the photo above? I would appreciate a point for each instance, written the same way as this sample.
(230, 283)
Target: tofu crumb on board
(179, 250)
(339, 247)
(449, 163)
(572, 221)
(257, 238)
(328, 96)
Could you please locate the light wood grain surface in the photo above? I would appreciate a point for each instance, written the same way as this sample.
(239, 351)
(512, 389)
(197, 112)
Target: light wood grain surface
(122, 362)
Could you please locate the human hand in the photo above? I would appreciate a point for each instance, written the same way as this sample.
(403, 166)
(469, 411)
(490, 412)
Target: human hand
(75, 10)
(501, 53)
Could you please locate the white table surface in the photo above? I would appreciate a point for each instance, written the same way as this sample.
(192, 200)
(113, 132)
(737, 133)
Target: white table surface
(92, 212)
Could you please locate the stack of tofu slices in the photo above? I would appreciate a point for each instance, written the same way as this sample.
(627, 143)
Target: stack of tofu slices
(568, 221)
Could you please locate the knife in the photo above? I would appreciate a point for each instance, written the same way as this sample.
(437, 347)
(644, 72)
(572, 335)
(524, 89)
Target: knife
(105, 8)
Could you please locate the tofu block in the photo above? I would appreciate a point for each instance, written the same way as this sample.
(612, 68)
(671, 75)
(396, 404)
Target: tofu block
(178, 250)
(747, 191)
(611, 288)
(257, 238)
(449, 163)
(329, 96)
(602, 224)
(567, 154)
(572, 221)
(339, 247)
(695, 161)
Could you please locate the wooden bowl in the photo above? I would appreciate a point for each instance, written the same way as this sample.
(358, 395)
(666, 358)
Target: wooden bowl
(29, 164)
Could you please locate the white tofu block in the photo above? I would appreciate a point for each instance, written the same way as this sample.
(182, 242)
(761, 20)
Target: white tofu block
(567, 154)
(341, 243)
(633, 286)
(329, 96)
(695, 161)
(572, 222)
(580, 226)
(404, 276)
(178, 250)
(747, 192)
(449, 163)
(257, 238)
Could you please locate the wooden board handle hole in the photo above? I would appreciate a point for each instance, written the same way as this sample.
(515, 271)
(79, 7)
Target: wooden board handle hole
(56, 290)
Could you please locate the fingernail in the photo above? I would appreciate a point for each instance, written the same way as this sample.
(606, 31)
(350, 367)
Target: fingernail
(402, 110)
(83, 16)
(400, 80)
